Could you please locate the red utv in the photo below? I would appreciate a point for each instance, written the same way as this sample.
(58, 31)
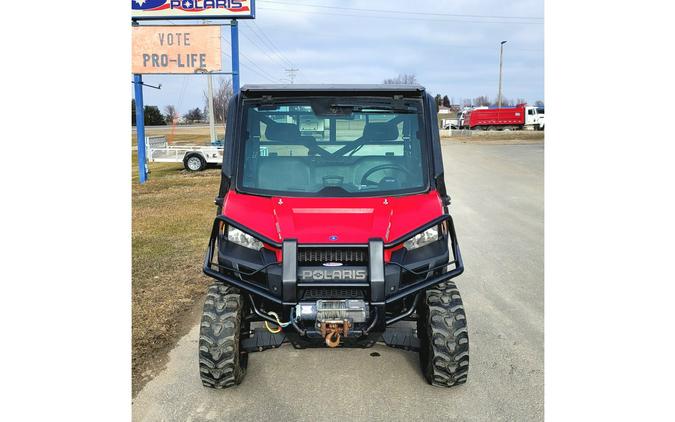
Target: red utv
(333, 230)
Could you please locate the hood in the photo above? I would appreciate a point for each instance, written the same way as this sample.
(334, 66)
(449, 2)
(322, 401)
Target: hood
(332, 220)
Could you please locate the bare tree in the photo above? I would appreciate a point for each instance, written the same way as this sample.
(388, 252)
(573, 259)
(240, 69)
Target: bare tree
(170, 114)
(521, 101)
(506, 102)
(483, 100)
(438, 99)
(194, 116)
(539, 103)
(221, 100)
(402, 79)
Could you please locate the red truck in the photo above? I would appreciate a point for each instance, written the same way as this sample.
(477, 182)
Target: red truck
(521, 116)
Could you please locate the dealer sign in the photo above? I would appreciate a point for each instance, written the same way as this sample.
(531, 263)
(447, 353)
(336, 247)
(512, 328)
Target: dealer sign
(175, 49)
(192, 9)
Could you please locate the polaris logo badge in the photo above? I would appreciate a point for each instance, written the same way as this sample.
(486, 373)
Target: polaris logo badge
(332, 238)
(333, 274)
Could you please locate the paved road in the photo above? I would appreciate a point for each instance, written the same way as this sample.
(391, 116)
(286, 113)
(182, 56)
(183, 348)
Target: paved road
(498, 206)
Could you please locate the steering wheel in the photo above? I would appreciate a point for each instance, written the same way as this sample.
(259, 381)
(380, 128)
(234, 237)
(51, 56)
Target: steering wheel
(365, 181)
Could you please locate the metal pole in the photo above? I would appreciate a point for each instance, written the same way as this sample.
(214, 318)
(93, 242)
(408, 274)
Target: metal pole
(234, 32)
(140, 128)
(291, 74)
(501, 56)
(212, 120)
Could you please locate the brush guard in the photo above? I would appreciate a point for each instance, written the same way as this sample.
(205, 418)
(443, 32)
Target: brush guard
(286, 296)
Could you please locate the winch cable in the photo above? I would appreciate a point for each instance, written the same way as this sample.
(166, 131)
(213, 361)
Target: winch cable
(279, 323)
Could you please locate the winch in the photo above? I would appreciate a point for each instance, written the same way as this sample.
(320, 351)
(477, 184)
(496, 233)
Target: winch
(333, 318)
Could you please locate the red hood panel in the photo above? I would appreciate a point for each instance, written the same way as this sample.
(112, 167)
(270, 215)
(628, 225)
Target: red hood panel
(332, 220)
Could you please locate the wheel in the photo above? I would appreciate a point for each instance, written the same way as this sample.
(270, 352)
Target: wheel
(194, 162)
(444, 338)
(222, 364)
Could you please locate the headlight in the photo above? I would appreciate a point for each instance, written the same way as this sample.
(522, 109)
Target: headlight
(240, 238)
(422, 239)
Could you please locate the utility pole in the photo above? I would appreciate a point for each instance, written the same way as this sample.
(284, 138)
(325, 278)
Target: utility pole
(291, 74)
(501, 57)
(212, 120)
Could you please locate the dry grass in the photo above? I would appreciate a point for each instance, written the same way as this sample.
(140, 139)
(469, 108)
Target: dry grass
(172, 215)
(498, 137)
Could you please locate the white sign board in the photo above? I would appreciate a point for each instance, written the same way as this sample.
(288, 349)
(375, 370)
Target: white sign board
(175, 49)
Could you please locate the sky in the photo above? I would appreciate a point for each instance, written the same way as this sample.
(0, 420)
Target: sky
(456, 56)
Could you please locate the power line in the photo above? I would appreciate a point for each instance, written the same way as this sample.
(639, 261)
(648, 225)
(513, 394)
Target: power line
(262, 71)
(406, 12)
(261, 49)
(252, 69)
(274, 47)
(408, 18)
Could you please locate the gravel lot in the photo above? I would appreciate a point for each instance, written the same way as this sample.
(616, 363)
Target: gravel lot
(498, 207)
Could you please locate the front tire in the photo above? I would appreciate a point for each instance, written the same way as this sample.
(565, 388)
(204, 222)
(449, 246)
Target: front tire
(222, 364)
(444, 338)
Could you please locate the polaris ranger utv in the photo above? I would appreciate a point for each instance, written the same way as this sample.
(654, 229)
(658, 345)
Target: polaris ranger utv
(333, 230)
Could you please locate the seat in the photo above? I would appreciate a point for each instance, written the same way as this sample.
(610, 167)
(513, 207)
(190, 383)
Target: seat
(283, 132)
(380, 131)
(289, 133)
(283, 173)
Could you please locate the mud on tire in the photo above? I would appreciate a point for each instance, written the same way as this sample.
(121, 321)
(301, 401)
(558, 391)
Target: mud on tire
(444, 339)
(221, 363)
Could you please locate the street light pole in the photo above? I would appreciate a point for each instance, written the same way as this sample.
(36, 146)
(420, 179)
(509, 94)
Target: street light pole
(501, 57)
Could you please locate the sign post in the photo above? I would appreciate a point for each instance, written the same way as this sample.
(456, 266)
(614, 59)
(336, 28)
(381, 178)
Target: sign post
(140, 128)
(234, 32)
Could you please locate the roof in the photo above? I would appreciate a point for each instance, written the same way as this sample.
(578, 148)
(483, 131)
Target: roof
(352, 88)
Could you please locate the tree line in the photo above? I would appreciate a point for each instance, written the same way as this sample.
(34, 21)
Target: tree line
(445, 101)
(221, 100)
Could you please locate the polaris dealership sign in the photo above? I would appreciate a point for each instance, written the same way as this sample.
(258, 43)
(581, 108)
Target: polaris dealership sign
(192, 9)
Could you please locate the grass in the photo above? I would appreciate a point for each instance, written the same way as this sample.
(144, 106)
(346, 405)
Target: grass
(171, 218)
(486, 137)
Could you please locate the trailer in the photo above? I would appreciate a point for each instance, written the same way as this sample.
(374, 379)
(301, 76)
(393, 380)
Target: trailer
(521, 116)
(450, 123)
(193, 157)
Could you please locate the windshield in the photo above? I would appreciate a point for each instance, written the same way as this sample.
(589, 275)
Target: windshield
(333, 147)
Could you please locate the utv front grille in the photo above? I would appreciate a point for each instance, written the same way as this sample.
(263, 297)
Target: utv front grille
(318, 256)
(316, 293)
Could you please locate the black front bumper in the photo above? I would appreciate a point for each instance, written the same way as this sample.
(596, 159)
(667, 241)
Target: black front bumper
(391, 289)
